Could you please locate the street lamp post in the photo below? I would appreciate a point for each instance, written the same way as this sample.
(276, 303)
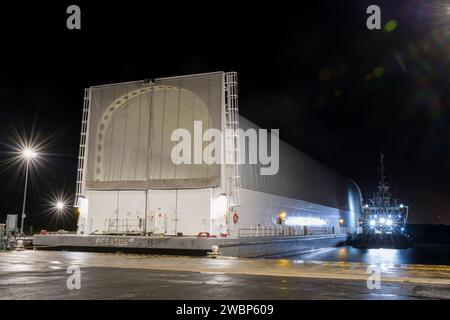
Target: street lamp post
(28, 155)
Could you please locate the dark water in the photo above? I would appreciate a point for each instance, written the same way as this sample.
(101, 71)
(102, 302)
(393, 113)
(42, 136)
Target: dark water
(437, 256)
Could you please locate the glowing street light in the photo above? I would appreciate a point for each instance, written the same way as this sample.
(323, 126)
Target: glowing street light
(59, 205)
(28, 154)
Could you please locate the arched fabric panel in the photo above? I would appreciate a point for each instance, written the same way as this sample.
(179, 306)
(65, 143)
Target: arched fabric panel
(130, 127)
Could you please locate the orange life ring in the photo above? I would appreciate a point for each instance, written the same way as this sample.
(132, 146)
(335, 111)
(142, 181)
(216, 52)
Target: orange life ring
(235, 218)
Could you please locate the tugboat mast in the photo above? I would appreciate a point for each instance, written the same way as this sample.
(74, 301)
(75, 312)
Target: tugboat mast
(383, 196)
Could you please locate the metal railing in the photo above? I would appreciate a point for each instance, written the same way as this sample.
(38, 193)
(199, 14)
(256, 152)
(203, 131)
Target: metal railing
(124, 226)
(283, 230)
(134, 226)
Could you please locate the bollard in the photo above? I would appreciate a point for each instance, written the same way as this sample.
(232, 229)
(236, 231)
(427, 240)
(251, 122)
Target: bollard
(215, 252)
(19, 245)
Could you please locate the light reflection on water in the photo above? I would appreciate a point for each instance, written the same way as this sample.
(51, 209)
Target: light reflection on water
(383, 256)
(388, 257)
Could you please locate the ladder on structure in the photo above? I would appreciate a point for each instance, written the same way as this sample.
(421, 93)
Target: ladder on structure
(82, 150)
(232, 139)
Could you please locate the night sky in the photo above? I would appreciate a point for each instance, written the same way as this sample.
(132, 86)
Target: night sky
(339, 92)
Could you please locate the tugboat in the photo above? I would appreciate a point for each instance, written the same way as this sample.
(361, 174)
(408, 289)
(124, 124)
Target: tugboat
(383, 219)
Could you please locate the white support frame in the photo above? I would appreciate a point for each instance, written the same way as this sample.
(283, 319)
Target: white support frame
(232, 178)
(82, 155)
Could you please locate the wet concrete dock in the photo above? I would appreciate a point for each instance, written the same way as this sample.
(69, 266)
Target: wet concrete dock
(42, 275)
